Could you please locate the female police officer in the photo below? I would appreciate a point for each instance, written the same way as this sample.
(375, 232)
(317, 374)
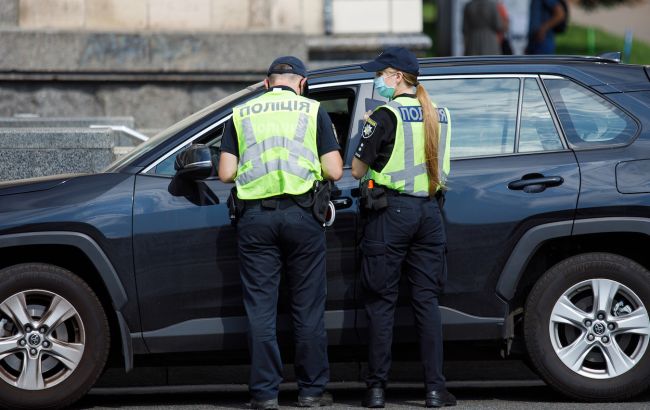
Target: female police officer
(403, 159)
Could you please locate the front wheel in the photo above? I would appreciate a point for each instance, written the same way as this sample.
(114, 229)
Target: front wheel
(54, 337)
(587, 327)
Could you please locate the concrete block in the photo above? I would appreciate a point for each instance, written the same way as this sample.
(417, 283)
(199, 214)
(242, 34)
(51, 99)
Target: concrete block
(55, 138)
(260, 14)
(286, 15)
(52, 13)
(361, 16)
(8, 13)
(116, 14)
(27, 153)
(229, 15)
(406, 16)
(312, 17)
(154, 106)
(187, 15)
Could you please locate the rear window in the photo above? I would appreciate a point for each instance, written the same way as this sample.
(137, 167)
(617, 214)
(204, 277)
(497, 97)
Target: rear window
(588, 119)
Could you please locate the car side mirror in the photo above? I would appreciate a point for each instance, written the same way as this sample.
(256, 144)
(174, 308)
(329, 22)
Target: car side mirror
(195, 162)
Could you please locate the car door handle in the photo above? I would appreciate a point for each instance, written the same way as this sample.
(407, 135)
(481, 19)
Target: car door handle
(538, 181)
(342, 203)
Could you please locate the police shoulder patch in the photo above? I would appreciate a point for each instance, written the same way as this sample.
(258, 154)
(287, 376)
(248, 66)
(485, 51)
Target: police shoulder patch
(369, 128)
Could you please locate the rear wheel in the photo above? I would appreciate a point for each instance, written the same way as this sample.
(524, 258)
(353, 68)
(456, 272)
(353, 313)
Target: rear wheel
(587, 327)
(54, 337)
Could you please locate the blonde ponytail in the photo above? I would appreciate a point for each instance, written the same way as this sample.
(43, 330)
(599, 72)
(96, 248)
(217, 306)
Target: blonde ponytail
(431, 137)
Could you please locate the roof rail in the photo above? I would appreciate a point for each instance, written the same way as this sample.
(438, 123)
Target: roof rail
(604, 58)
(611, 55)
(517, 58)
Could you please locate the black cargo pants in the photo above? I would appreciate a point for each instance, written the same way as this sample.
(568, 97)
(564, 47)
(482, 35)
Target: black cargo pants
(409, 233)
(271, 240)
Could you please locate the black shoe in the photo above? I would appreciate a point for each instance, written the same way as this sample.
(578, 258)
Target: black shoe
(374, 398)
(271, 404)
(324, 399)
(439, 398)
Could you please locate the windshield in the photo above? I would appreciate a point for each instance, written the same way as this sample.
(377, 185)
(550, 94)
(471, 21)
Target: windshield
(159, 138)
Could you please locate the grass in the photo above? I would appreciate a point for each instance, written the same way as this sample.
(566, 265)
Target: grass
(575, 42)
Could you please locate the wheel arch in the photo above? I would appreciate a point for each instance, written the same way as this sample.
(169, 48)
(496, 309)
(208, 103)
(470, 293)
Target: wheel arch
(103, 279)
(546, 245)
(583, 235)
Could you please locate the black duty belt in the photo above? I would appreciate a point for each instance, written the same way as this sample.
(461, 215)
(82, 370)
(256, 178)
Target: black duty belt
(393, 193)
(275, 202)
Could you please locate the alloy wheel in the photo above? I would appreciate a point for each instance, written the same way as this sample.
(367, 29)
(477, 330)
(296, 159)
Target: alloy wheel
(42, 339)
(599, 328)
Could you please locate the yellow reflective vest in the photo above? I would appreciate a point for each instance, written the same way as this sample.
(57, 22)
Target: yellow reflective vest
(278, 154)
(405, 170)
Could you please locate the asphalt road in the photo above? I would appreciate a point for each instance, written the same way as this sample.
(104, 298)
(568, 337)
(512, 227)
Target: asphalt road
(471, 395)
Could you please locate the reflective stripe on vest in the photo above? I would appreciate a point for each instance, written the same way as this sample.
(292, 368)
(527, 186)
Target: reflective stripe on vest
(295, 147)
(276, 135)
(406, 115)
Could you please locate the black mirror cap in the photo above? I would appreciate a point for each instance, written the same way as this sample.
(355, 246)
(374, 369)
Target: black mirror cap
(195, 162)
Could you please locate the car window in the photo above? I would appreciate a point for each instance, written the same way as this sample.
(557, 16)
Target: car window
(483, 113)
(211, 139)
(588, 119)
(339, 104)
(537, 131)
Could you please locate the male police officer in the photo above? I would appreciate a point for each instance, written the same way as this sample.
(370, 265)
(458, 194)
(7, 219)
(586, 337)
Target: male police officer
(275, 148)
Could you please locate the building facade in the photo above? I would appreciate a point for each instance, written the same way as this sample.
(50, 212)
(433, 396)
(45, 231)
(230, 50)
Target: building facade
(160, 60)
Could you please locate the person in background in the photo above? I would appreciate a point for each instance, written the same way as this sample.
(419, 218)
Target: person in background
(502, 36)
(545, 15)
(481, 27)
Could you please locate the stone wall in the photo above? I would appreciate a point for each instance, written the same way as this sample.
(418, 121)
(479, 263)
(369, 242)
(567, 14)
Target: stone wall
(154, 106)
(158, 78)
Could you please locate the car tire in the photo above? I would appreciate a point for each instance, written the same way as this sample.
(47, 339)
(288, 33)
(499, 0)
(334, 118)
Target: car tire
(55, 358)
(586, 327)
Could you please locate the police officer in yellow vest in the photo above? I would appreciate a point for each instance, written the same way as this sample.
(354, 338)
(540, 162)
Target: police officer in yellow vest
(403, 161)
(274, 148)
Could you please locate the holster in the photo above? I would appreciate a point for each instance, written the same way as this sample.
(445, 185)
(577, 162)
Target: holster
(320, 200)
(440, 197)
(235, 206)
(372, 198)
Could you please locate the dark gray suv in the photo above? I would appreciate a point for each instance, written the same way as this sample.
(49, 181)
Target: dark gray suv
(548, 222)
